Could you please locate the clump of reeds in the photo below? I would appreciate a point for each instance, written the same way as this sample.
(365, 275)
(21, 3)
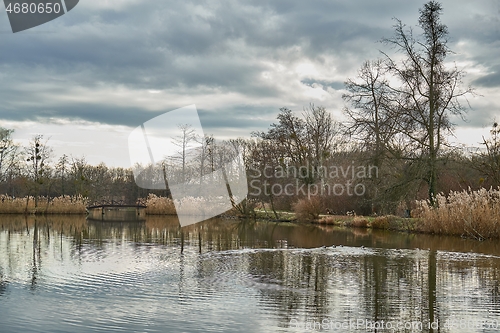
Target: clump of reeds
(57, 205)
(326, 220)
(389, 222)
(64, 205)
(159, 205)
(308, 208)
(195, 206)
(468, 213)
(12, 205)
(380, 222)
(358, 222)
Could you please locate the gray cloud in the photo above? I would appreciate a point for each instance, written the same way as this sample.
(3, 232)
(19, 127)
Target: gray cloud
(238, 58)
(491, 80)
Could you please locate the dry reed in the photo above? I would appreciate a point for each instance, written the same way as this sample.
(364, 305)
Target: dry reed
(474, 214)
(380, 222)
(57, 205)
(358, 222)
(159, 205)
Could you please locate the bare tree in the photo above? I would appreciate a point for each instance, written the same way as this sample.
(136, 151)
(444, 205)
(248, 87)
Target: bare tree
(428, 91)
(10, 158)
(289, 134)
(8, 152)
(38, 154)
(489, 162)
(62, 167)
(320, 131)
(188, 135)
(370, 117)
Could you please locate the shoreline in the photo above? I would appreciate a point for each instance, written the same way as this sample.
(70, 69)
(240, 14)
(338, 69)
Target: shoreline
(385, 222)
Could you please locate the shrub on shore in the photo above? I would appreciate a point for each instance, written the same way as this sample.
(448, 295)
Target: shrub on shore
(308, 209)
(380, 222)
(359, 222)
(469, 213)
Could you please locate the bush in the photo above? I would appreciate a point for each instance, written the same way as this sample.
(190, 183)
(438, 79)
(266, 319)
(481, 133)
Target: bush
(308, 209)
(327, 220)
(381, 222)
(359, 222)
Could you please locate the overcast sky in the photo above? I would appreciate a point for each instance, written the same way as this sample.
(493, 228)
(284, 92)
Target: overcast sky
(88, 78)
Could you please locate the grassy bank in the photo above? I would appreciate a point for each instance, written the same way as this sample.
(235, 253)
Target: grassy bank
(471, 214)
(389, 222)
(468, 214)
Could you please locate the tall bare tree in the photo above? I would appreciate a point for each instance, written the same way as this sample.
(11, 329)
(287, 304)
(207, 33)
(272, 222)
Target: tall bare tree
(428, 90)
(38, 153)
(183, 141)
(9, 156)
(320, 132)
(488, 162)
(370, 116)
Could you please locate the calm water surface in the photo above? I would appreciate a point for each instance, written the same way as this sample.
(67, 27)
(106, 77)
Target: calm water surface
(71, 275)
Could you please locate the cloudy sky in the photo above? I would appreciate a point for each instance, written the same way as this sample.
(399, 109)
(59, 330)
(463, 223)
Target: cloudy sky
(88, 78)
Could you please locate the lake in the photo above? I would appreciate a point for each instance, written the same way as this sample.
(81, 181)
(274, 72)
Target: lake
(66, 274)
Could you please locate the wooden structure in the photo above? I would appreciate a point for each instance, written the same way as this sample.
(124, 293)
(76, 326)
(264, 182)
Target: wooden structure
(116, 211)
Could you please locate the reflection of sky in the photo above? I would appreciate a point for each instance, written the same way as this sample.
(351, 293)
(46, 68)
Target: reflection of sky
(114, 284)
(117, 286)
(90, 77)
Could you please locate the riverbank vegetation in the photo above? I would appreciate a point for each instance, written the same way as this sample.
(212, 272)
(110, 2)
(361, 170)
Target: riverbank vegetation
(44, 205)
(390, 161)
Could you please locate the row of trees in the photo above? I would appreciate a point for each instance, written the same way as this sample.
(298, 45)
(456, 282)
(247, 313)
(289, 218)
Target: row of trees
(405, 102)
(296, 158)
(400, 109)
(392, 150)
(32, 171)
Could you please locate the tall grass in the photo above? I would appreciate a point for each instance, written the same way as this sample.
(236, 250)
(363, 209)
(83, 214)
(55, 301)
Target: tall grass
(159, 205)
(57, 205)
(469, 213)
(189, 206)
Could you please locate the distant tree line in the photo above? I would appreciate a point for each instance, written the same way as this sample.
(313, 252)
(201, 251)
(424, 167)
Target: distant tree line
(391, 151)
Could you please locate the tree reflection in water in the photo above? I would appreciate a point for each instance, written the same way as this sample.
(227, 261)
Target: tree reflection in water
(298, 272)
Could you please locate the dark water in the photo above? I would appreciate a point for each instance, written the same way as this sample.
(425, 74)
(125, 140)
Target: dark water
(70, 275)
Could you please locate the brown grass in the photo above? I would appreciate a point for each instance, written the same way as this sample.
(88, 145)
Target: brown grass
(58, 205)
(334, 219)
(474, 214)
(159, 205)
(307, 209)
(380, 222)
(359, 222)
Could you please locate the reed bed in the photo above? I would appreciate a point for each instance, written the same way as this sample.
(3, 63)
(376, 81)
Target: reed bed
(380, 222)
(57, 205)
(474, 214)
(159, 205)
(359, 222)
(188, 206)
